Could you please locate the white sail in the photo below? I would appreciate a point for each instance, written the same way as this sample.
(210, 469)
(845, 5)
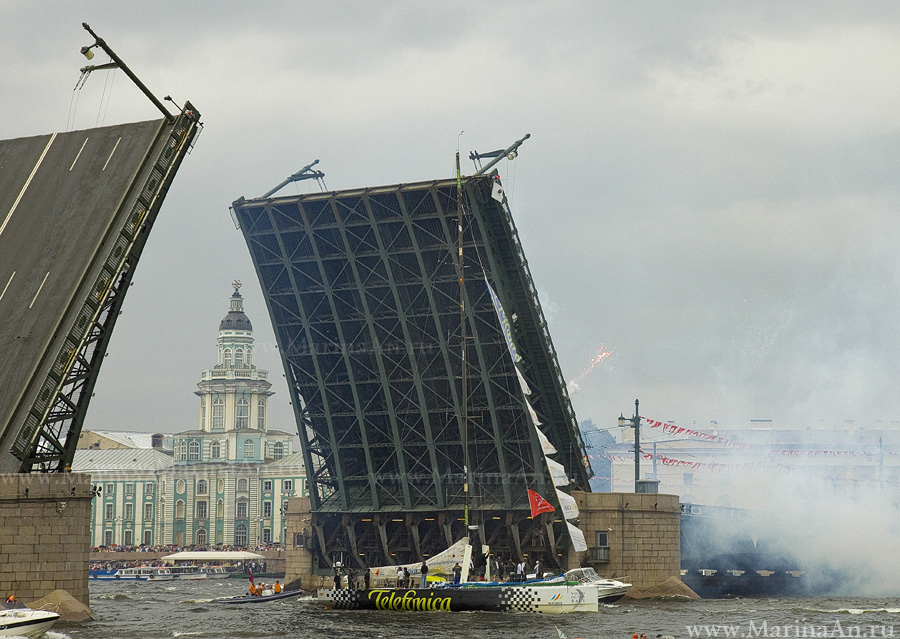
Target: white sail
(440, 564)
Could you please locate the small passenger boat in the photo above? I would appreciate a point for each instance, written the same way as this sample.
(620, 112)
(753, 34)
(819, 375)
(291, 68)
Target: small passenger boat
(189, 572)
(140, 573)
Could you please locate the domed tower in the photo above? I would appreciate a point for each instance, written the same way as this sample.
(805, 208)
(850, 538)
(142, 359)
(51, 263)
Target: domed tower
(233, 395)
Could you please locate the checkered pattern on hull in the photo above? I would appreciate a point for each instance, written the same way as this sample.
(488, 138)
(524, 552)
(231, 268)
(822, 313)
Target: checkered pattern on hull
(520, 599)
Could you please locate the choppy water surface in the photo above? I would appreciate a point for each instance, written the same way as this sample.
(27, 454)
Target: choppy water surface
(182, 609)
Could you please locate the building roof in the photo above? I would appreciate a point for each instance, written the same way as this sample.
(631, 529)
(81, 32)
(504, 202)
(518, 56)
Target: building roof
(235, 319)
(120, 459)
(294, 459)
(130, 439)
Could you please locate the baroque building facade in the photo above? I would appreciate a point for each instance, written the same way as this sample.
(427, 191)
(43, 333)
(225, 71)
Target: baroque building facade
(225, 483)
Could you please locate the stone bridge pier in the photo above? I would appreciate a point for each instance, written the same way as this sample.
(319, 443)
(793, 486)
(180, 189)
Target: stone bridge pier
(45, 526)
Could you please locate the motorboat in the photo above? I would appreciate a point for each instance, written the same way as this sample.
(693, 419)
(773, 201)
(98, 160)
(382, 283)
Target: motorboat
(608, 590)
(252, 599)
(25, 622)
(140, 573)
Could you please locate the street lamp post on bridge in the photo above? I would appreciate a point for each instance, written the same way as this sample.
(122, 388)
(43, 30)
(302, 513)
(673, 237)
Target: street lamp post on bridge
(635, 423)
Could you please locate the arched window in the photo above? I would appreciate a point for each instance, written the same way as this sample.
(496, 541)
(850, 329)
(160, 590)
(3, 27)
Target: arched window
(240, 535)
(226, 358)
(220, 509)
(179, 509)
(183, 450)
(248, 449)
(242, 485)
(261, 414)
(201, 537)
(194, 454)
(239, 358)
(215, 450)
(249, 362)
(218, 420)
(278, 450)
(242, 414)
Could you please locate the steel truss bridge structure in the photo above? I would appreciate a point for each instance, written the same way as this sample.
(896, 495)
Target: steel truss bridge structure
(363, 290)
(75, 212)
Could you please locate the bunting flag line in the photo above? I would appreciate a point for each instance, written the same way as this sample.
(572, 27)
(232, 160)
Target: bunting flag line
(567, 504)
(577, 537)
(546, 446)
(539, 504)
(557, 473)
(504, 323)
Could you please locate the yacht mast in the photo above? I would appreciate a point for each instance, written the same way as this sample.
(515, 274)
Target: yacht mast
(464, 400)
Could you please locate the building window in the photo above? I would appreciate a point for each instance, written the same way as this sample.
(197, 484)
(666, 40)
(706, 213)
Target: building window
(129, 488)
(221, 485)
(108, 514)
(202, 510)
(261, 414)
(129, 538)
(239, 358)
(183, 450)
(148, 488)
(242, 485)
(148, 511)
(226, 356)
(218, 420)
(201, 537)
(267, 509)
(110, 490)
(241, 511)
(202, 487)
(203, 413)
(180, 486)
(242, 414)
(278, 450)
(129, 512)
(602, 538)
(240, 535)
(288, 485)
(267, 535)
(248, 449)
(179, 509)
(148, 538)
(267, 486)
(283, 507)
(220, 509)
(194, 454)
(215, 450)
(107, 538)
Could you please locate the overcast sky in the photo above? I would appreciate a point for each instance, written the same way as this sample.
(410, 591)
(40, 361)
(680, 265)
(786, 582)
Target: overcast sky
(709, 191)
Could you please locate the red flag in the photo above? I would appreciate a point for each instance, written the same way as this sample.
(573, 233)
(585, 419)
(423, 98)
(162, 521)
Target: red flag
(250, 570)
(539, 504)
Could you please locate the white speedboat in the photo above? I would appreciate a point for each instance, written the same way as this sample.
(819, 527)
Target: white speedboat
(25, 622)
(608, 590)
(141, 573)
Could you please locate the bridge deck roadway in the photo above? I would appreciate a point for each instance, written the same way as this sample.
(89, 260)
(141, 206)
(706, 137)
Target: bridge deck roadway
(58, 196)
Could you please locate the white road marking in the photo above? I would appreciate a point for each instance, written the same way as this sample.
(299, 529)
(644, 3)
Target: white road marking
(111, 154)
(27, 182)
(39, 289)
(79, 153)
(7, 285)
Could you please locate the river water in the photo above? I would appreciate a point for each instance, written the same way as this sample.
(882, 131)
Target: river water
(182, 609)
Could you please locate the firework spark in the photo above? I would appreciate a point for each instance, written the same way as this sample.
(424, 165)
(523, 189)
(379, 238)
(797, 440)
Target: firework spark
(603, 354)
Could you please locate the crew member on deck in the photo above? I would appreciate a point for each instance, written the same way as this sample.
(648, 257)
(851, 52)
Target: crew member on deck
(277, 587)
